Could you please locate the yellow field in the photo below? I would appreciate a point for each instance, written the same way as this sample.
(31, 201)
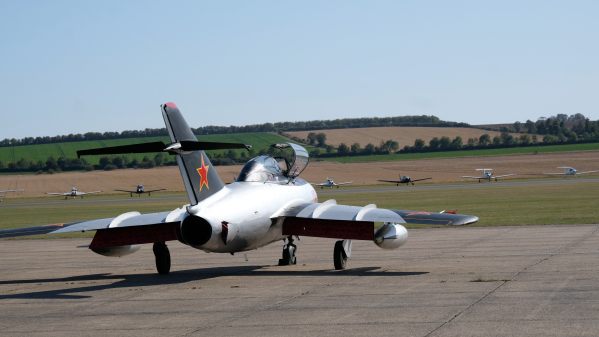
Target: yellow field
(401, 134)
(441, 170)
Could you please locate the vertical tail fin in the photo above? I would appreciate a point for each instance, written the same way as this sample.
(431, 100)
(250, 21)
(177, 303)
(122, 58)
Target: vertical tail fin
(199, 176)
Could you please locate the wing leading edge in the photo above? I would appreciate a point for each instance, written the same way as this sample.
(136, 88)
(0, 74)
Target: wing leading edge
(329, 220)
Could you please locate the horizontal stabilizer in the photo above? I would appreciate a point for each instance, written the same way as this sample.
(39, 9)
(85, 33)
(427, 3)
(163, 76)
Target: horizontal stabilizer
(175, 148)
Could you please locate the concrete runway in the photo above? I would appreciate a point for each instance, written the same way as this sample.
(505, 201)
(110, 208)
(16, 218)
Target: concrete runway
(500, 281)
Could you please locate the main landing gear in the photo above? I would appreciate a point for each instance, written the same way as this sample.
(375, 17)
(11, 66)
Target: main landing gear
(289, 250)
(163, 258)
(341, 253)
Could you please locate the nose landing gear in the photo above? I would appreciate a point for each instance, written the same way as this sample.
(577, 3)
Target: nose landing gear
(288, 256)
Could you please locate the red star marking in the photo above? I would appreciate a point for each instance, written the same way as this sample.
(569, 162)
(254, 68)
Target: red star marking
(203, 172)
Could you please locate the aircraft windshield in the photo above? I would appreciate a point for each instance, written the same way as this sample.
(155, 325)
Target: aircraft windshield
(262, 169)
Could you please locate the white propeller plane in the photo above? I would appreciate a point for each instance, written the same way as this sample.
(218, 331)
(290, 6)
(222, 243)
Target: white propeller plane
(570, 171)
(74, 193)
(487, 174)
(266, 203)
(331, 183)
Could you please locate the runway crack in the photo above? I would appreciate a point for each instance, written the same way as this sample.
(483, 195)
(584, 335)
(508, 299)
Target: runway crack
(504, 282)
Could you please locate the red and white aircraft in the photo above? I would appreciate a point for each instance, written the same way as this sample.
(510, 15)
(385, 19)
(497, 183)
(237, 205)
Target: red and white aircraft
(267, 203)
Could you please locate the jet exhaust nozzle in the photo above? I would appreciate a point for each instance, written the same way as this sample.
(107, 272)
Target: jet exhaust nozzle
(195, 231)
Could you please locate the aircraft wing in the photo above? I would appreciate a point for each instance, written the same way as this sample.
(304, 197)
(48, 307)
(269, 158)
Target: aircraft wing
(343, 183)
(130, 228)
(421, 179)
(126, 229)
(92, 192)
(390, 181)
(329, 220)
(503, 175)
(434, 218)
(57, 193)
(473, 177)
(156, 190)
(5, 191)
(585, 172)
(321, 184)
(35, 230)
(126, 191)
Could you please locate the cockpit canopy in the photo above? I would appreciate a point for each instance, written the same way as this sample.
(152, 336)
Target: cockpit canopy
(278, 170)
(262, 169)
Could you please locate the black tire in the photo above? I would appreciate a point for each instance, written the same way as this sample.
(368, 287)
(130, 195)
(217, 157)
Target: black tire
(288, 257)
(162, 257)
(339, 257)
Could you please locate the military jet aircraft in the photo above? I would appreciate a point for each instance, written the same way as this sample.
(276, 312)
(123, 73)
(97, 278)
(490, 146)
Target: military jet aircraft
(331, 183)
(74, 193)
(404, 180)
(570, 171)
(140, 189)
(267, 203)
(487, 174)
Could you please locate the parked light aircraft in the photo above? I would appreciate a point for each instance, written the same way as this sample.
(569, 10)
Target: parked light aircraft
(140, 189)
(3, 192)
(73, 193)
(404, 180)
(487, 174)
(331, 183)
(570, 171)
(268, 202)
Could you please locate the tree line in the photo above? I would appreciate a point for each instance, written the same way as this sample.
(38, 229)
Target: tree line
(423, 120)
(560, 129)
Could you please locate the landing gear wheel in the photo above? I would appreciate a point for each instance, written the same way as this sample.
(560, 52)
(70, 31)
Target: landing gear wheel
(162, 257)
(339, 257)
(288, 256)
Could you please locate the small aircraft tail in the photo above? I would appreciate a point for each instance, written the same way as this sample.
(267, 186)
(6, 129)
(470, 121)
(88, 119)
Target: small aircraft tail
(199, 175)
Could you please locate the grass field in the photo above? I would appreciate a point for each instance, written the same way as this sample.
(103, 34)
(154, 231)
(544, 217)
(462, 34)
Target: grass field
(574, 203)
(495, 205)
(259, 140)
(470, 153)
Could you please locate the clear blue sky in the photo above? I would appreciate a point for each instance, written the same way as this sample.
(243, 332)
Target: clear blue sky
(78, 66)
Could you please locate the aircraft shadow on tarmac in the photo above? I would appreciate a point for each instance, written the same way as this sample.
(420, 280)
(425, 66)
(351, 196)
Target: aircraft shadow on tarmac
(176, 277)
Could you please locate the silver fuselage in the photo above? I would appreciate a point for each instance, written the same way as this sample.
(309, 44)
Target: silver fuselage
(249, 208)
